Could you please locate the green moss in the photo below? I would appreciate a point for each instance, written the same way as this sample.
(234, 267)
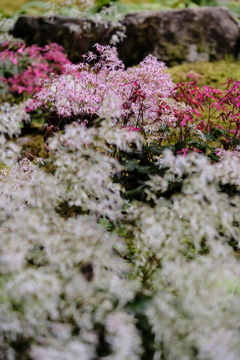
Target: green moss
(175, 52)
(212, 73)
(35, 146)
(2, 166)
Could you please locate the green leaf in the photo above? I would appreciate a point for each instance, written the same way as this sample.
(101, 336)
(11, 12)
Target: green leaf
(234, 141)
(164, 129)
(199, 145)
(220, 132)
(209, 136)
(168, 147)
(47, 161)
(180, 145)
(135, 192)
(131, 164)
(140, 304)
(156, 150)
(143, 169)
(213, 156)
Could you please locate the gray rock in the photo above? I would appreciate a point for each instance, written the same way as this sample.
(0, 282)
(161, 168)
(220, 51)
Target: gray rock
(63, 30)
(176, 36)
(207, 33)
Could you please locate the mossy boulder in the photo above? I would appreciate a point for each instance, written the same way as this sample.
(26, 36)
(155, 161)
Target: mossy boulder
(177, 36)
(77, 36)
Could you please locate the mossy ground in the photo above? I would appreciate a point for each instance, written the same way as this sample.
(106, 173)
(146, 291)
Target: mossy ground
(34, 146)
(212, 73)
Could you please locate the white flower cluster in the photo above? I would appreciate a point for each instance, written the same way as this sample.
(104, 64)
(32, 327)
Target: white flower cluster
(11, 117)
(6, 24)
(87, 173)
(63, 277)
(67, 289)
(183, 253)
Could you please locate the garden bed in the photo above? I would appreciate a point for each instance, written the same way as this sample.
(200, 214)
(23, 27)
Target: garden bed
(119, 207)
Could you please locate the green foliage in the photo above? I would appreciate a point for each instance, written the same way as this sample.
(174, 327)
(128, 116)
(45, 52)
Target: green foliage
(123, 7)
(233, 6)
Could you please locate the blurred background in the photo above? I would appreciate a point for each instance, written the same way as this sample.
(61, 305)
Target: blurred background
(123, 7)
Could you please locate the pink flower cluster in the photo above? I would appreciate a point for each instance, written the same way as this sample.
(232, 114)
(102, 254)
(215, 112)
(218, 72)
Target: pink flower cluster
(34, 64)
(102, 87)
(141, 98)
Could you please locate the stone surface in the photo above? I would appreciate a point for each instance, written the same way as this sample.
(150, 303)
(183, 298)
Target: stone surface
(188, 35)
(63, 30)
(207, 33)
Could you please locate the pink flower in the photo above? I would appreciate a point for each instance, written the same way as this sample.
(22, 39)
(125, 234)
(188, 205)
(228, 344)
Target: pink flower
(196, 150)
(82, 90)
(184, 151)
(133, 128)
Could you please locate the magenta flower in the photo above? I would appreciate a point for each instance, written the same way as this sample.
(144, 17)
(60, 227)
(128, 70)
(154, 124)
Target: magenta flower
(132, 128)
(184, 151)
(196, 150)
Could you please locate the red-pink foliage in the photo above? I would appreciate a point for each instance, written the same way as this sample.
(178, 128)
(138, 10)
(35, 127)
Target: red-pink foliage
(214, 105)
(34, 65)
